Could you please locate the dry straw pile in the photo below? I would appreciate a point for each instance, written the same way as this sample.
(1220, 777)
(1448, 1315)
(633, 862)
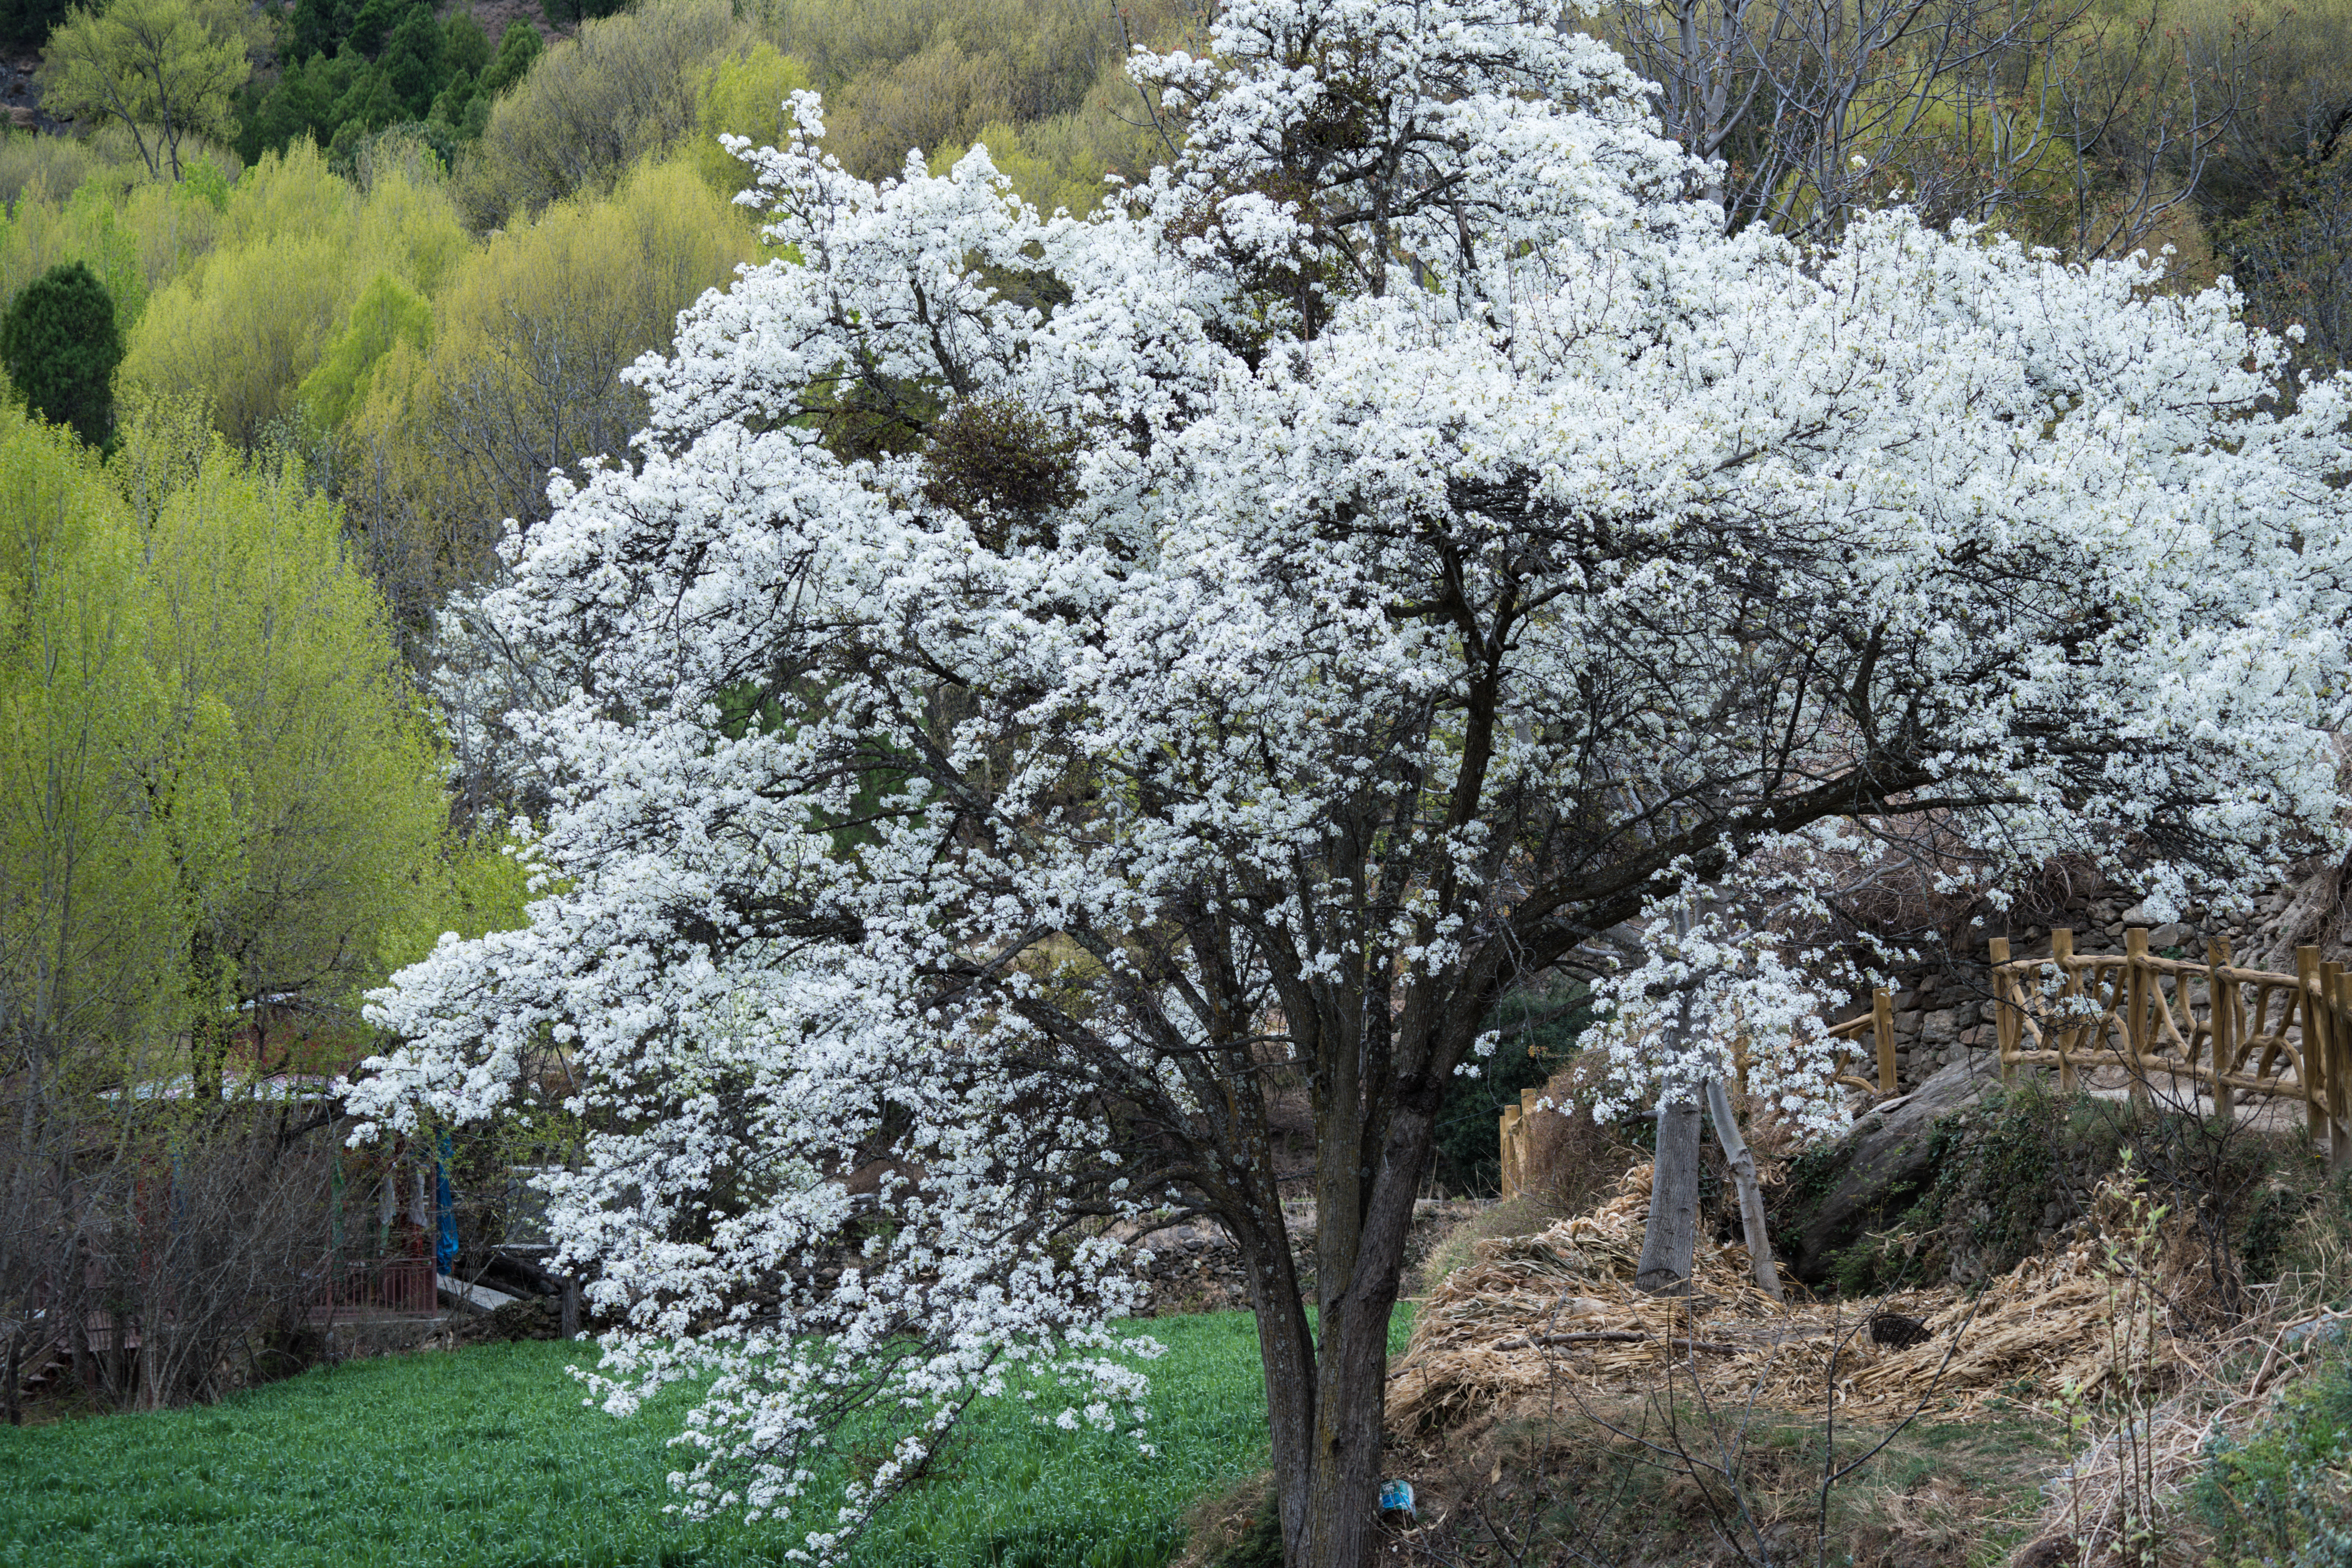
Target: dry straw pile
(1532, 1312)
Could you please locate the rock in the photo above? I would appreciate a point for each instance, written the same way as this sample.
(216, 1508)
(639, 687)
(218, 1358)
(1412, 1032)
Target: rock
(1885, 1162)
(2174, 935)
(2328, 1332)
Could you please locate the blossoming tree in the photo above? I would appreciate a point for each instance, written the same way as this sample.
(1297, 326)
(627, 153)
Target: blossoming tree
(1040, 685)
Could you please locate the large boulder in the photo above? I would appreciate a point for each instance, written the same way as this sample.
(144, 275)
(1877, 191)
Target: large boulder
(1875, 1173)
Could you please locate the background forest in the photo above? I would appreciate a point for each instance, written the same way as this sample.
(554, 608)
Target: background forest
(302, 303)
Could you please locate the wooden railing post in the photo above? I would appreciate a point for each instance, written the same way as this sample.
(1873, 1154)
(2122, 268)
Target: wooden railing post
(2135, 999)
(2062, 952)
(2341, 1080)
(2222, 996)
(1509, 1182)
(2006, 1028)
(1882, 1024)
(2315, 1039)
(2329, 1074)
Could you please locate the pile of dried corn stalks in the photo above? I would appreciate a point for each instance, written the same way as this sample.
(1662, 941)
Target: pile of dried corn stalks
(1531, 1312)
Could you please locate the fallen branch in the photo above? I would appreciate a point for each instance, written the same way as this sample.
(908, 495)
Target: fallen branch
(1612, 1336)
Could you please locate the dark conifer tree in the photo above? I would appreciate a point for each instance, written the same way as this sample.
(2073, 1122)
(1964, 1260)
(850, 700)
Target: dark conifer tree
(61, 343)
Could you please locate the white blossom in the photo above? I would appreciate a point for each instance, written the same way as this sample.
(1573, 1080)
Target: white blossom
(1412, 568)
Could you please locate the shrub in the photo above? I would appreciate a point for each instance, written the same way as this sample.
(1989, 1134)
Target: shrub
(743, 96)
(297, 245)
(627, 87)
(2283, 1497)
(60, 344)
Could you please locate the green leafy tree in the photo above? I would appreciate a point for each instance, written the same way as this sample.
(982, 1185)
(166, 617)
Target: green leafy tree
(316, 27)
(217, 796)
(389, 312)
(414, 61)
(519, 48)
(330, 806)
(220, 812)
(167, 70)
(62, 345)
(745, 95)
(454, 105)
(467, 49)
(369, 104)
(25, 23)
(373, 21)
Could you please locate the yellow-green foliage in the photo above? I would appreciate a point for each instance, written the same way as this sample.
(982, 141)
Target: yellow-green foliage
(389, 313)
(531, 335)
(213, 783)
(90, 201)
(1046, 54)
(480, 884)
(743, 95)
(89, 917)
(164, 70)
(30, 161)
(134, 236)
(295, 248)
(929, 75)
(325, 767)
(1063, 163)
(626, 88)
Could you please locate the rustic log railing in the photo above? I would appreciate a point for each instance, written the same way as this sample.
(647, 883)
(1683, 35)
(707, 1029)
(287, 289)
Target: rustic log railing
(2231, 1031)
(1879, 1024)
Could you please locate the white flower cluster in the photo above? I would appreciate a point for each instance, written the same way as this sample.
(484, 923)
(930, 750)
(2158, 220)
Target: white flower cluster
(1036, 677)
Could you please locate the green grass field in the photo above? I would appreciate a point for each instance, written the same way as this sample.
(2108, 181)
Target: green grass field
(484, 1457)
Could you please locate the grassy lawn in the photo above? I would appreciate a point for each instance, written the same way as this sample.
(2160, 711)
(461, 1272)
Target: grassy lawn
(485, 1457)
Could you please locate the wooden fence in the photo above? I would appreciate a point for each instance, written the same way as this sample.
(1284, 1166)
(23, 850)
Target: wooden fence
(2228, 1030)
(1879, 1024)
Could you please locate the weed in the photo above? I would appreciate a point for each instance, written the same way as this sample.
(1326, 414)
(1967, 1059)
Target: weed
(2284, 1495)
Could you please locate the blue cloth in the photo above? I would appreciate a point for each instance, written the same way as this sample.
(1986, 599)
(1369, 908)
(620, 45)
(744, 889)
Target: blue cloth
(444, 1239)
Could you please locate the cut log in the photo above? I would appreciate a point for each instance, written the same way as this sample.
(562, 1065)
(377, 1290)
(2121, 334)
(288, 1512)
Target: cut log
(1751, 1193)
(1670, 1238)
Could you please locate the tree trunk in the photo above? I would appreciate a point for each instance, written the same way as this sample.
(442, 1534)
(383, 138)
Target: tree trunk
(1670, 1238)
(570, 1320)
(1286, 1347)
(1751, 1193)
(1326, 1388)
